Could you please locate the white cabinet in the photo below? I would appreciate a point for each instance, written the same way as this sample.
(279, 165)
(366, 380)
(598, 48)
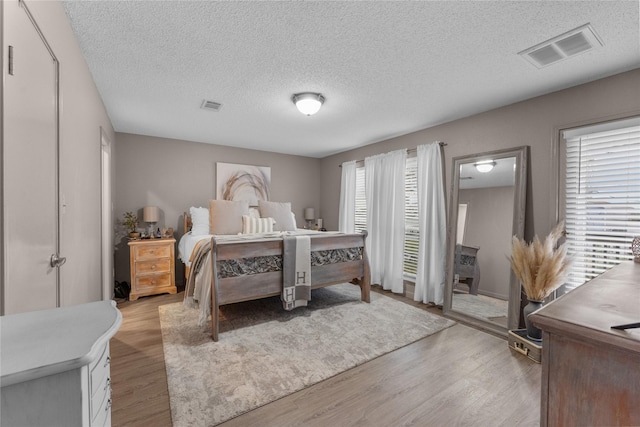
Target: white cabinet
(54, 366)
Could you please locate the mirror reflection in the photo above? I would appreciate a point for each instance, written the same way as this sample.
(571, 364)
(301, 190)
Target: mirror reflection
(488, 201)
(483, 237)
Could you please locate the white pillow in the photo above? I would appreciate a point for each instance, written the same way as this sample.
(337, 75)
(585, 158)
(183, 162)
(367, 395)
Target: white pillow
(280, 212)
(226, 216)
(251, 225)
(254, 212)
(199, 221)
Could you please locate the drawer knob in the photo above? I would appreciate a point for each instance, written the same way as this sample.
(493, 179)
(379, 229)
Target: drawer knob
(106, 386)
(153, 266)
(106, 362)
(108, 405)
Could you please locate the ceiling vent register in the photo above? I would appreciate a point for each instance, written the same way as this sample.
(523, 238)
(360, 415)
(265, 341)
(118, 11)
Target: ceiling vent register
(210, 105)
(571, 43)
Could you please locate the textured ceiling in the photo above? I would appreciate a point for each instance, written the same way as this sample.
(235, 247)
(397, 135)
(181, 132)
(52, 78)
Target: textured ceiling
(385, 68)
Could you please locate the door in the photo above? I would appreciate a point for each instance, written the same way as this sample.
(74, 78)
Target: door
(31, 133)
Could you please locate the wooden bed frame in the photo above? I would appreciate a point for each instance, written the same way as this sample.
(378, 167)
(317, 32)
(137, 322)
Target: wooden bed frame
(250, 287)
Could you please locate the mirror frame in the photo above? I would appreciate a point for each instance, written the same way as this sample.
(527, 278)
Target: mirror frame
(520, 198)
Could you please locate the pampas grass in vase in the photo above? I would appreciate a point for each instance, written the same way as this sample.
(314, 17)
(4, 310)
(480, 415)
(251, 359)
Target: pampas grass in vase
(541, 267)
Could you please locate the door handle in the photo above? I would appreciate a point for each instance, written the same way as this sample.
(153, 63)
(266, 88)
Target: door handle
(57, 261)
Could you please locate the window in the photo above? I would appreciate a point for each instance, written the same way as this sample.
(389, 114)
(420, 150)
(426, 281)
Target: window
(602, 196)
(411, 232)
(411, 239)
(361, 203)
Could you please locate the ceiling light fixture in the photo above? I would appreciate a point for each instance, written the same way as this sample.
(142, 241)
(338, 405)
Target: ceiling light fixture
(485, 166)
(308, 103)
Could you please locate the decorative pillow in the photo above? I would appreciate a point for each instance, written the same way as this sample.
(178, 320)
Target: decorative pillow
(199, 221)
(280, 212)
(251, 225)
(225, 216)
(254, 213)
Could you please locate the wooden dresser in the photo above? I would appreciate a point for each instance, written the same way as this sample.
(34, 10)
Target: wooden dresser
(590, 372)
(55, 366)
(152, 267)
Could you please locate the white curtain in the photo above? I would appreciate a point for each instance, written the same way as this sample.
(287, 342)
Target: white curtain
(384, 192)
(432, 226)
(347, 218)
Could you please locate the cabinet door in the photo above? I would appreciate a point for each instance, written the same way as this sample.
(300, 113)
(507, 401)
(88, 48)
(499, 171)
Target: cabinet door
(30, 164)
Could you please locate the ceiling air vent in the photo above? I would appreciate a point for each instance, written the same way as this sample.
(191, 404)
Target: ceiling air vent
(564, 46)
(211, 106)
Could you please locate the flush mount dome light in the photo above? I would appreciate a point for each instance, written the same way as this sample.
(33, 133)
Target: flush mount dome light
(485, 165)
(308, 103)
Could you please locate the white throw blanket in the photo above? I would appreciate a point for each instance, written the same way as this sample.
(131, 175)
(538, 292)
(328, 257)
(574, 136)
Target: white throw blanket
(198, 288)
(296, 272)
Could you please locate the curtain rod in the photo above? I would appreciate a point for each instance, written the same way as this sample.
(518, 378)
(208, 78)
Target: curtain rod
(409, 151)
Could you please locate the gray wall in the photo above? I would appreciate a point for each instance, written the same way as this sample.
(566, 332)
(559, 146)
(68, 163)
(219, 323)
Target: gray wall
(489, 219)
(535, 122)
(82, 115)
(175, 175)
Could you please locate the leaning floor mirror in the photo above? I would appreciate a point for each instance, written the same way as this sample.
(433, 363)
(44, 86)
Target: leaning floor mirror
(487, 208)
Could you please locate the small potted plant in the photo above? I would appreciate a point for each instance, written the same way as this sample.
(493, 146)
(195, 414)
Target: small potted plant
(130, 221)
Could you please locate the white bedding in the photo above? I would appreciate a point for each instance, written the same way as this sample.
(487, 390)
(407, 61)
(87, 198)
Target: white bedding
(186, 245)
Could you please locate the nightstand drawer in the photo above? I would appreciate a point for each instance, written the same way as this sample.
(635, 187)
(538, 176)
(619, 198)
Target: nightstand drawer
(153, 281)
(153, 266)
(153, 251)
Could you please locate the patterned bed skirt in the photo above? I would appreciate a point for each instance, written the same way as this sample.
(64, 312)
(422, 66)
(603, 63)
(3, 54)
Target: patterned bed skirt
(265, 264)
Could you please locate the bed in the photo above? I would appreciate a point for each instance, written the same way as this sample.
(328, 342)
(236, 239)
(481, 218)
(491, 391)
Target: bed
(230, 268)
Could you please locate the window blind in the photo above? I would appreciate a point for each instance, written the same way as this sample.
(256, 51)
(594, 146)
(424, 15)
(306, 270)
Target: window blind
(411, 230)
(361, 202)
(411, 213)
(602, 197)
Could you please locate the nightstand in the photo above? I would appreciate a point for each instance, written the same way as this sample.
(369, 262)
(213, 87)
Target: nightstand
(152, 267)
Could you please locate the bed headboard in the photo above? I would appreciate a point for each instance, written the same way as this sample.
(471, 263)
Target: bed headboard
(187, 223)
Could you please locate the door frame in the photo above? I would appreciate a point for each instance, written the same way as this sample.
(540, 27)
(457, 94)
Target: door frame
(106, 213)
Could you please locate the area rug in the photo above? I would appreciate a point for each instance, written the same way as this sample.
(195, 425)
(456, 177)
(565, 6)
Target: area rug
(265, 353)
(480, 305)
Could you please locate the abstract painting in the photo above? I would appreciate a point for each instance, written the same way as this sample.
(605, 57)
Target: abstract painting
(243, 182)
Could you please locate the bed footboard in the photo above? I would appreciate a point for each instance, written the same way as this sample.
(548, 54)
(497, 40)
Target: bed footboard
(248, 270)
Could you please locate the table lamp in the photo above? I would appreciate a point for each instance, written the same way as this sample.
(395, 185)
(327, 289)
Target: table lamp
(151, 215)
(309, 216)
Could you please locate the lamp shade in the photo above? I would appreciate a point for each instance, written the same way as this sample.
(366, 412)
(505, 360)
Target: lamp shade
(150, 214)
(309, 213)
(308, 103)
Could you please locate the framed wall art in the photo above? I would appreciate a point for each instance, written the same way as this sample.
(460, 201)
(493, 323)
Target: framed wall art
(243, 182)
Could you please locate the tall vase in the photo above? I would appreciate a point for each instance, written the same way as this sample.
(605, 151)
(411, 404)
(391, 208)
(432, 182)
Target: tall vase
(533, 332)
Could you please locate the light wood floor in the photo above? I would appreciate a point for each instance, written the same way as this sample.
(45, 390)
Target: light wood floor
(457, 377)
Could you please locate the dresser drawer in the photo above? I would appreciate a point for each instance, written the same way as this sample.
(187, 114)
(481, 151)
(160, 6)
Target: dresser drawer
(100, 371)
(100, 380)
(153, 281)
(153, 266)
(103, 413)
(152, 251)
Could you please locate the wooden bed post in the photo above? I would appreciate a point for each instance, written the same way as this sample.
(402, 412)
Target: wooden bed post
(214, 291)
(365, 284)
